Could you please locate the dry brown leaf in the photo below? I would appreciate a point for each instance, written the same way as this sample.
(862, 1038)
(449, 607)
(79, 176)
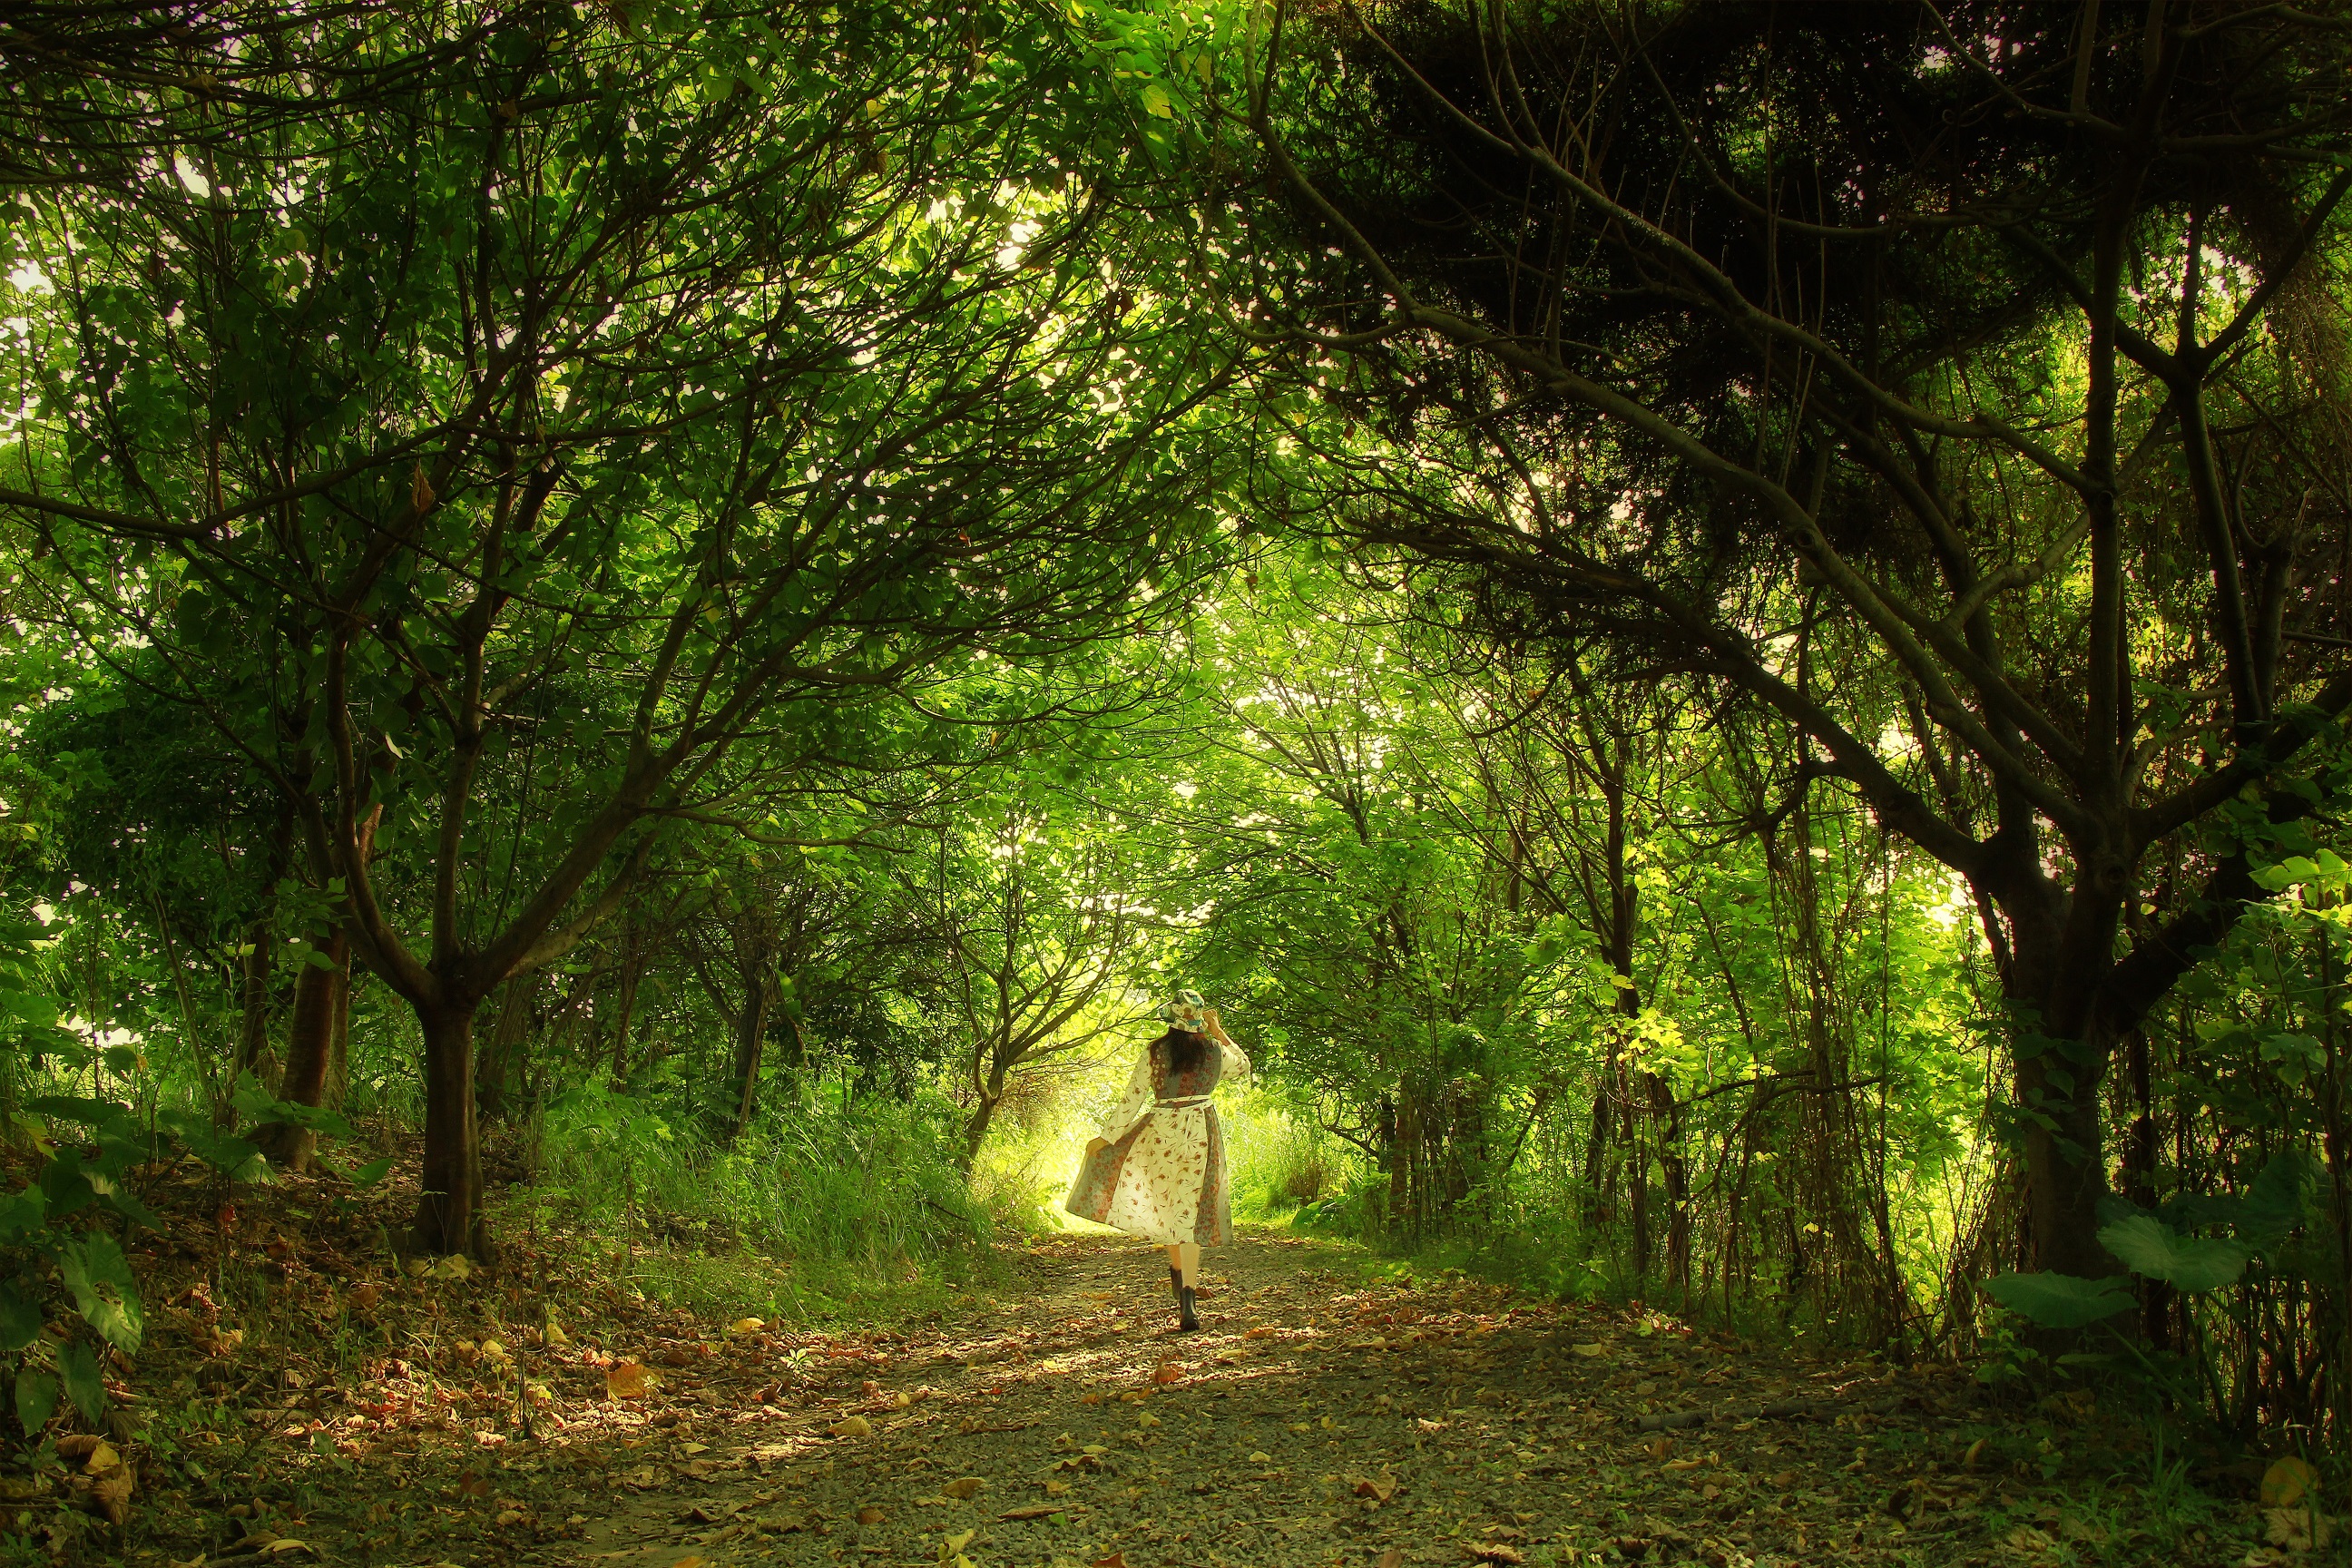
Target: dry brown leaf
(1392, 1558)
(852, 1427)
(1034, 1511)
(747, 1325)
(869, 1514)
(2287, 1483)
(1116, 1560)
(1168, 1372)
(1492, 1552)
(1592, 1352)
(628, 1380)
(962, 1488)
(112, 1495)
(1379, 1488)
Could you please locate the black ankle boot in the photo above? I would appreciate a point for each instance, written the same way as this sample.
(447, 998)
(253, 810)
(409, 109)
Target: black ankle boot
(1186, 1318)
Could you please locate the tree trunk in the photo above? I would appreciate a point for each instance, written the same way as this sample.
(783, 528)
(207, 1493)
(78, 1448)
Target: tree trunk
(751, 1038)
(260, 936)
(1668, 1117)
(496, 1071)
(253, 1025)
(449, 1208)
(975, 1130)
(309, 1046)
(339, 1061)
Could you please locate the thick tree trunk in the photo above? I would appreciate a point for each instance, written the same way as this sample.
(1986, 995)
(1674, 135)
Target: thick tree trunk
(449, 1209)
(310, 1047)
(2059, 952)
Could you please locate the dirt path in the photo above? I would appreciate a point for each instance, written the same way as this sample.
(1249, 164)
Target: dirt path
(1314, 1421)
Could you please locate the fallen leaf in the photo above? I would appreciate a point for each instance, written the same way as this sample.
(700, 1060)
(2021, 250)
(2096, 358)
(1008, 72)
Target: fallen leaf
(1392, 1558)
(554, 1334)
(962, 1488)
(1034, 1511)
(2298, 1528)
(747, 1325)
(1379, 1488)
(628, 1380)
(1968, 1459)
(2286, 1482)
(1056, 1488)
(1591, 1351)
(852, 1427)
(1116, 1560)
(112, 1495)
(102, 1457)
(1168, 1372)
(1491, 1551)
(869, 1514)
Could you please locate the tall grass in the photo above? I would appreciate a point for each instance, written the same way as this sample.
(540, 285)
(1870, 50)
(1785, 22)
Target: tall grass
(825, 1197)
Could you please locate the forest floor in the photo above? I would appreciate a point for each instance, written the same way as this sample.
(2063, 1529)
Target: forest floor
(1328, 1413)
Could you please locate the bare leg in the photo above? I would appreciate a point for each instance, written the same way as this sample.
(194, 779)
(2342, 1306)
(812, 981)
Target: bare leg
(1186, 1257)
(1176, 1256)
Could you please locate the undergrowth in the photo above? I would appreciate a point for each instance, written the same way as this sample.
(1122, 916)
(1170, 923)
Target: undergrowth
(828, 1206)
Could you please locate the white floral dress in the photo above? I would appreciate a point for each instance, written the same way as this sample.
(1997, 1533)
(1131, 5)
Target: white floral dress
(1162, 1174)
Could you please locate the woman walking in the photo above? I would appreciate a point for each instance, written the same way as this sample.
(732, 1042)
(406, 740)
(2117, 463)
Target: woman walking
(1158, 1170)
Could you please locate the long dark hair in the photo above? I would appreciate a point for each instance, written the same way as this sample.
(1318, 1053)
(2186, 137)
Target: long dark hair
(1184, 1050)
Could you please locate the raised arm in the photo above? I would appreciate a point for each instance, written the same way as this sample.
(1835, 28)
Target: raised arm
(1234, 1055)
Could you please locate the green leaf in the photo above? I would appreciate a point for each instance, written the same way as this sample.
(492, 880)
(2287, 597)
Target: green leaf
(2060, 1300)
(20, 1320)
(21, 1215)
(99, 1277)
(2278, 1200)
(371, 1173)
(36, 1396)
(2152, 1248)
(64, 1184)
(85, 1384)
(258, 1105)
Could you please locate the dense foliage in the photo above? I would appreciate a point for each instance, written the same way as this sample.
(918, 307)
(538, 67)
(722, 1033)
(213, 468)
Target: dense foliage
(1721, 631)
